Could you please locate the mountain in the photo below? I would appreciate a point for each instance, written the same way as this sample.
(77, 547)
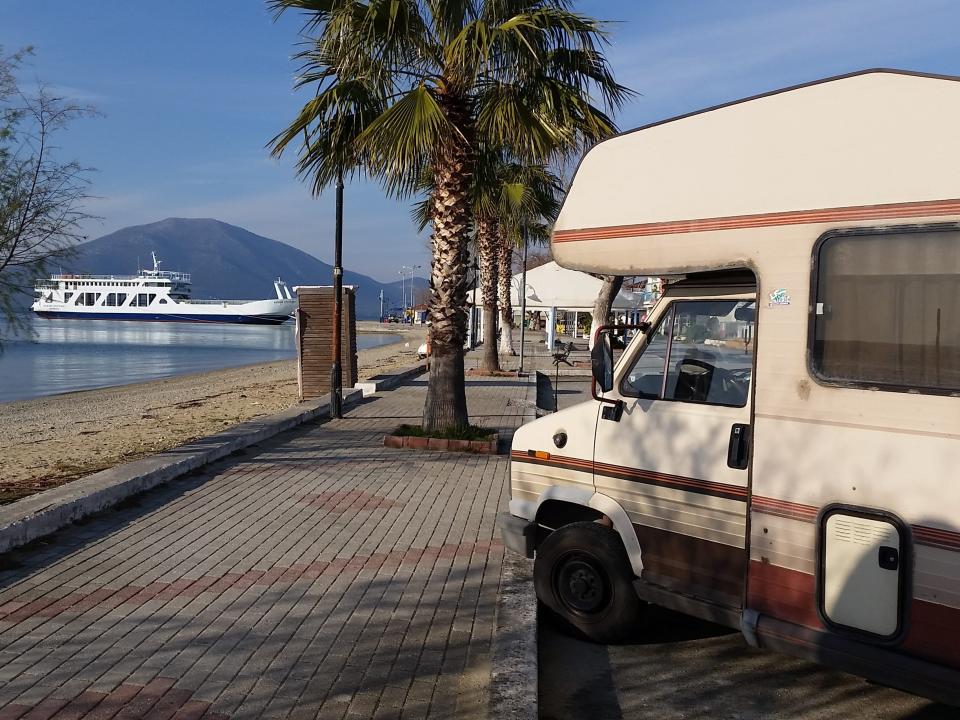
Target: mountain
(224, 261)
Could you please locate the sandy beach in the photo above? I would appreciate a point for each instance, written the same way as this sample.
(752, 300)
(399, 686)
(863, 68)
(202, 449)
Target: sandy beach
(48, 441)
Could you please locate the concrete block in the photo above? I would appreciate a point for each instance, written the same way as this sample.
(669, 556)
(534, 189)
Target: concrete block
(380, 383)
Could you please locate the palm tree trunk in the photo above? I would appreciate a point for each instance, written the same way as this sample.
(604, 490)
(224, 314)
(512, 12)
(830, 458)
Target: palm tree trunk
(446, 403)
(486, 250)
(504, 276)
(604, 302)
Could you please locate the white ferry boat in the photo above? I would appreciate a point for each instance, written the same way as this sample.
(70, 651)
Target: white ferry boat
(151, 295)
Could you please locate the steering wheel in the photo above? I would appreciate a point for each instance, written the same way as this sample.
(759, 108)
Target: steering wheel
(727, 387)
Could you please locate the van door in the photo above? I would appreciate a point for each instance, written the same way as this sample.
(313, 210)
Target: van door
(676, 457)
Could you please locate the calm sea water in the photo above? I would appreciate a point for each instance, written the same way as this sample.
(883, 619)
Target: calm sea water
(66, 355)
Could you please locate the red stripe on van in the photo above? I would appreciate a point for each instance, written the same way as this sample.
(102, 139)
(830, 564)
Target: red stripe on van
(890, 211)
(789, 595)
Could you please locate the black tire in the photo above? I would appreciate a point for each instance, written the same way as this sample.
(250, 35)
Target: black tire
(583, 576)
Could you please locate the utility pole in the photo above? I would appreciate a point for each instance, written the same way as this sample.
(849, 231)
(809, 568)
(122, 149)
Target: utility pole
(336, 379)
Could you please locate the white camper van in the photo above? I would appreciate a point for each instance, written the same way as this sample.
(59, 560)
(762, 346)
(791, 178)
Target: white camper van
(779, 448)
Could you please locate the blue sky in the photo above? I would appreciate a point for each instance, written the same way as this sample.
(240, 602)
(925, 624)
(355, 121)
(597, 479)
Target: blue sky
(191, 90)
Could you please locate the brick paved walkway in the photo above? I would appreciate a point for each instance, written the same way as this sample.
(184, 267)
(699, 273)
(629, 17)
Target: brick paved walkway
(319, 575)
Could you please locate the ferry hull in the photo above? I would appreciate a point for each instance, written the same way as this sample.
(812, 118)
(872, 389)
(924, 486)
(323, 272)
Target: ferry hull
(168, 317)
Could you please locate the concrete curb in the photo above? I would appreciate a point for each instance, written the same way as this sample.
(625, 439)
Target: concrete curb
(514, 669)
(46, 512)
(37, 515)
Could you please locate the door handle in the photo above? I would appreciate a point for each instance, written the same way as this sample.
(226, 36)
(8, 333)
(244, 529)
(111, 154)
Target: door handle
(889, 558)
(738, 452)
(614, 411)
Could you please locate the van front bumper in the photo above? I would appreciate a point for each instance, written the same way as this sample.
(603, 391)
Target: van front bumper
(518, 533)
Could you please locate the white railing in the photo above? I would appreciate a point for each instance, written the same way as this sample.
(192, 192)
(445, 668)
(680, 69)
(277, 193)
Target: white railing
(149, 275)
(216, 302)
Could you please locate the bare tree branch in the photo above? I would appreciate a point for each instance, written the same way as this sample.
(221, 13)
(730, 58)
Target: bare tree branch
(42, 198)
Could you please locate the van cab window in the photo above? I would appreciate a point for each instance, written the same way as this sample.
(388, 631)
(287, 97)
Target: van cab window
(701, 351)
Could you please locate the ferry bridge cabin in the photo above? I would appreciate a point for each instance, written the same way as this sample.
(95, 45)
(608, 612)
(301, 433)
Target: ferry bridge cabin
(779, 449)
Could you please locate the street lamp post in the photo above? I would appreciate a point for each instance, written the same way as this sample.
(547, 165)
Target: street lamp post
(336, 378)
(473, 305)
(406, 270)
(412, 271)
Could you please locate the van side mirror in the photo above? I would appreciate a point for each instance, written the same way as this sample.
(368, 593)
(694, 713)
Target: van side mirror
(601, 360)
(601, 356)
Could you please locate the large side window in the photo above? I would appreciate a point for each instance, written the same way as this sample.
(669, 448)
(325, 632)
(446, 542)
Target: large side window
(887, 310)
(702, 351)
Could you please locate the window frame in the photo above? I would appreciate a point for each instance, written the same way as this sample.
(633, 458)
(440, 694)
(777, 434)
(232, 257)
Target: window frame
(812, 369)
(670, 312)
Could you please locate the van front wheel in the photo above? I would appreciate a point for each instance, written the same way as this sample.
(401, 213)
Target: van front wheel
(582, 574)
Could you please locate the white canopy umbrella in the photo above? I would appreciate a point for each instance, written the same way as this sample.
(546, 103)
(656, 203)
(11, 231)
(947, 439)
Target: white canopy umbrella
(551, 288)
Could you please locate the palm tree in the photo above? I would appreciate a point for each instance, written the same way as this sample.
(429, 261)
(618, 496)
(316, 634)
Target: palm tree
(486, 208)
(531, 199)
(487, 186)
(510, 201)
(442, 78)
(487, 234)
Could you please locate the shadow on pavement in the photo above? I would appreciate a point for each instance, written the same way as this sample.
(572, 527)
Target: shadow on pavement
(686, 668)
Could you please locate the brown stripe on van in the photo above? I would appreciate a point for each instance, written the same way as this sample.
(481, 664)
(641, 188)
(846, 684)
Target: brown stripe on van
(933, 633)
(789, 595)
(676, 482)
(696, 565)
(556, 461)
(649, 477)
(922, 534)
(784, 508)
(892, 211)
(782, 593)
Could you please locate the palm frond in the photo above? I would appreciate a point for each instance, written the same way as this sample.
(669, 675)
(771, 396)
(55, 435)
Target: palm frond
(404, 137)
(318, 11)
(506, 118)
